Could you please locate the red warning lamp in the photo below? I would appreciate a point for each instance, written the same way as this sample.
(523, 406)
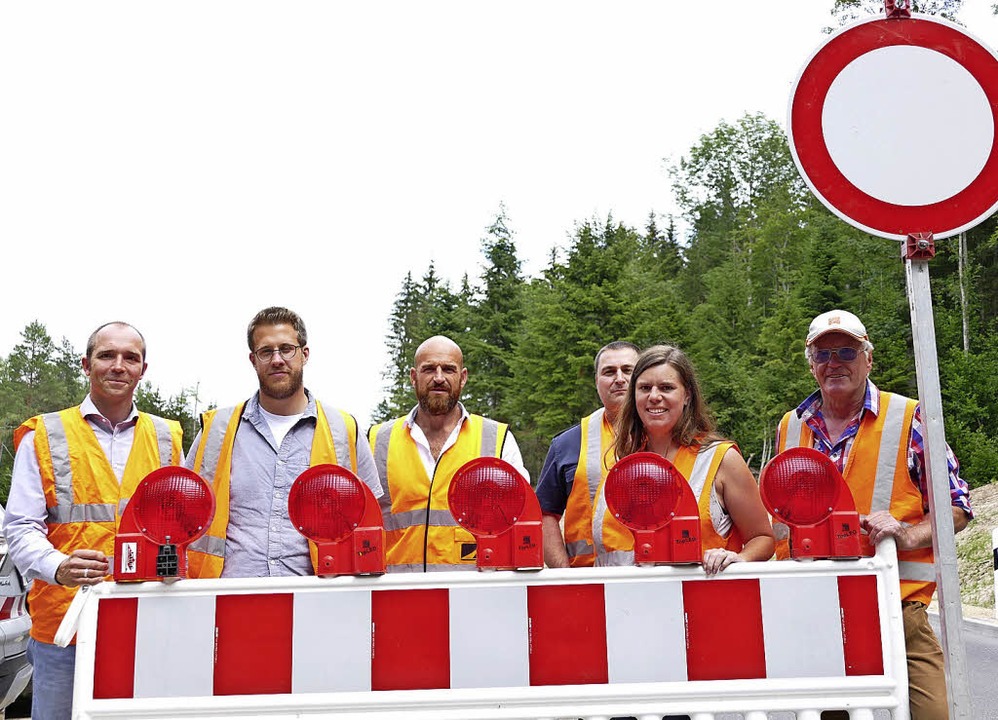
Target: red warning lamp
(650, 497)
(171, 508)
(803, 489)
(334, 509)
(492, 501)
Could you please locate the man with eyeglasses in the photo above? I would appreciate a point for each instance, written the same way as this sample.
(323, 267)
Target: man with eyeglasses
(417, 455)
(253, 452)
(875, 439)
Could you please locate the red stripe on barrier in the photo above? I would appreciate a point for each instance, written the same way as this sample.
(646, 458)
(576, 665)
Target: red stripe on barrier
(411, 639)
(114, 651)
(862, 650)
(253, 643)
(724, 639)
(567, 626)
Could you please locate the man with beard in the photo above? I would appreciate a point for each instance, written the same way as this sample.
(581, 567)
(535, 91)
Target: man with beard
(253, 452)
(418, 454)
(578, 460)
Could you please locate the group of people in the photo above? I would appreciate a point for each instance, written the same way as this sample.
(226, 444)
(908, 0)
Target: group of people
(652, 402)
(75, 469)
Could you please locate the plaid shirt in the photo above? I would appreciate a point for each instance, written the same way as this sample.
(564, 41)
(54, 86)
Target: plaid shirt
(810, 412)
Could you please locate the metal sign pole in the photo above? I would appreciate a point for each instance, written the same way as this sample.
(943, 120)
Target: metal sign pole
(916, 255)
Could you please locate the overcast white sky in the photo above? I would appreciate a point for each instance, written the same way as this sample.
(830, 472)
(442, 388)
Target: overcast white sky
(181, 165)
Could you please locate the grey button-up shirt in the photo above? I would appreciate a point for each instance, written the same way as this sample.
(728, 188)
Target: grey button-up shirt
(260, 540)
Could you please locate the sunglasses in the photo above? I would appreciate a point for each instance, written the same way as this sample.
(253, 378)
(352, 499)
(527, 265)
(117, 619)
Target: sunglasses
(845, 354)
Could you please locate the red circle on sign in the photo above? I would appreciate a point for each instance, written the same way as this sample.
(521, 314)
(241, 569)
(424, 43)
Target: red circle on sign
(971, 205)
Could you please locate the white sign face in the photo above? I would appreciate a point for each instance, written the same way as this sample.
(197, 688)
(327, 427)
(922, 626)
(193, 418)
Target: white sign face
(870, 126)
(893, 126)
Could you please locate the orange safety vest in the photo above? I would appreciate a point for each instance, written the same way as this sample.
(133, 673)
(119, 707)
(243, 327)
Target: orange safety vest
(877, 474)
(334, 443)
(421, 534)
(83, 498)
(595, 447)
(698, 464)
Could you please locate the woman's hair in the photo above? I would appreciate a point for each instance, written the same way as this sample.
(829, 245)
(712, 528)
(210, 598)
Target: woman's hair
(696, 425)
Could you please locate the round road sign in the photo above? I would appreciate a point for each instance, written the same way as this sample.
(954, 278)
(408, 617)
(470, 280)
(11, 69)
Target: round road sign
(893, 123)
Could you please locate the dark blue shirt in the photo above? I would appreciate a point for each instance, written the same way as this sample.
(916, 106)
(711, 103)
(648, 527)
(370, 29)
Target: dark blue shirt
(558, 472)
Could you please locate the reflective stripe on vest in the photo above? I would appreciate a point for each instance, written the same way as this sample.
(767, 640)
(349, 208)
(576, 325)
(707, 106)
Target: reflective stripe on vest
(579, 506)
(599, 512)
(430, 567)
(414, 518)
(917, 571)
(890, 446)
(213, 443)
(208, 544)
(710, 457)
(594, 452)
(382, 433)
(341, 439)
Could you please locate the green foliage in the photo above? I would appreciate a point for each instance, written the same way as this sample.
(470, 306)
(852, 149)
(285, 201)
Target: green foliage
(421, 310)
(761, 258)
(180, 407)
(497, 311)
(37, 377)
(847, 11)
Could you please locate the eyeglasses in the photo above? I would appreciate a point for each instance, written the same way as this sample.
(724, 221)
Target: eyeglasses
(844, 354)
(286, 350)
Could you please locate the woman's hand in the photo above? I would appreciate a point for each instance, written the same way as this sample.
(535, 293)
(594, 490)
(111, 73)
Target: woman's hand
(716, 559)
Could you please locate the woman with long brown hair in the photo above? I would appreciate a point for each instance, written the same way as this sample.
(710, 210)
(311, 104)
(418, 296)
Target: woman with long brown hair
(665, 413)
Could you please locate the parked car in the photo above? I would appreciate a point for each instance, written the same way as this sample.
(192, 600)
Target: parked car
(15, 624)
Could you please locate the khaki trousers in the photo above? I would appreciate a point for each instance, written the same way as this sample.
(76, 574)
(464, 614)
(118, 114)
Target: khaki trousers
(926, 671)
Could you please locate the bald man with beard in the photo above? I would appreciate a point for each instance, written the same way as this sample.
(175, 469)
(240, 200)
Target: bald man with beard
(418, 454)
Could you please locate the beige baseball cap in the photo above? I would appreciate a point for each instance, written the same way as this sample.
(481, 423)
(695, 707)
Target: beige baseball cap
(836, 321)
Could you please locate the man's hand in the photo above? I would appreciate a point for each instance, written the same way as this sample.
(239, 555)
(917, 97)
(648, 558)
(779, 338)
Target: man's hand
(555, 554)
(82, 567)
(882, 524)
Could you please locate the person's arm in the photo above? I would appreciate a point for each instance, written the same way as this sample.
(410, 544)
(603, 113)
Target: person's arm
(958, 489)
(189, 460)
(511, 454)
(882, 524)
(552, 493)
(739, 495)
(555, 554)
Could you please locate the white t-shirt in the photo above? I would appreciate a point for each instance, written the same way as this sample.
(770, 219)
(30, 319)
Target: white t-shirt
(280, 424)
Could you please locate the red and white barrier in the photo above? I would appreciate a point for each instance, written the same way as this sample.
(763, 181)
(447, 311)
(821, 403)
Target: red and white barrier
(575, 643)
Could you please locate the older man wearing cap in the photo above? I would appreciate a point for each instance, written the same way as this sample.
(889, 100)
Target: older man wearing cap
(875, 438)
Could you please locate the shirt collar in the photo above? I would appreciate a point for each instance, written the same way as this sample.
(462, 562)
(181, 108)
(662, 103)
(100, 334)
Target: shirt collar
(410, 419)
(252, 409)
(88, 409)
(812, 406)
